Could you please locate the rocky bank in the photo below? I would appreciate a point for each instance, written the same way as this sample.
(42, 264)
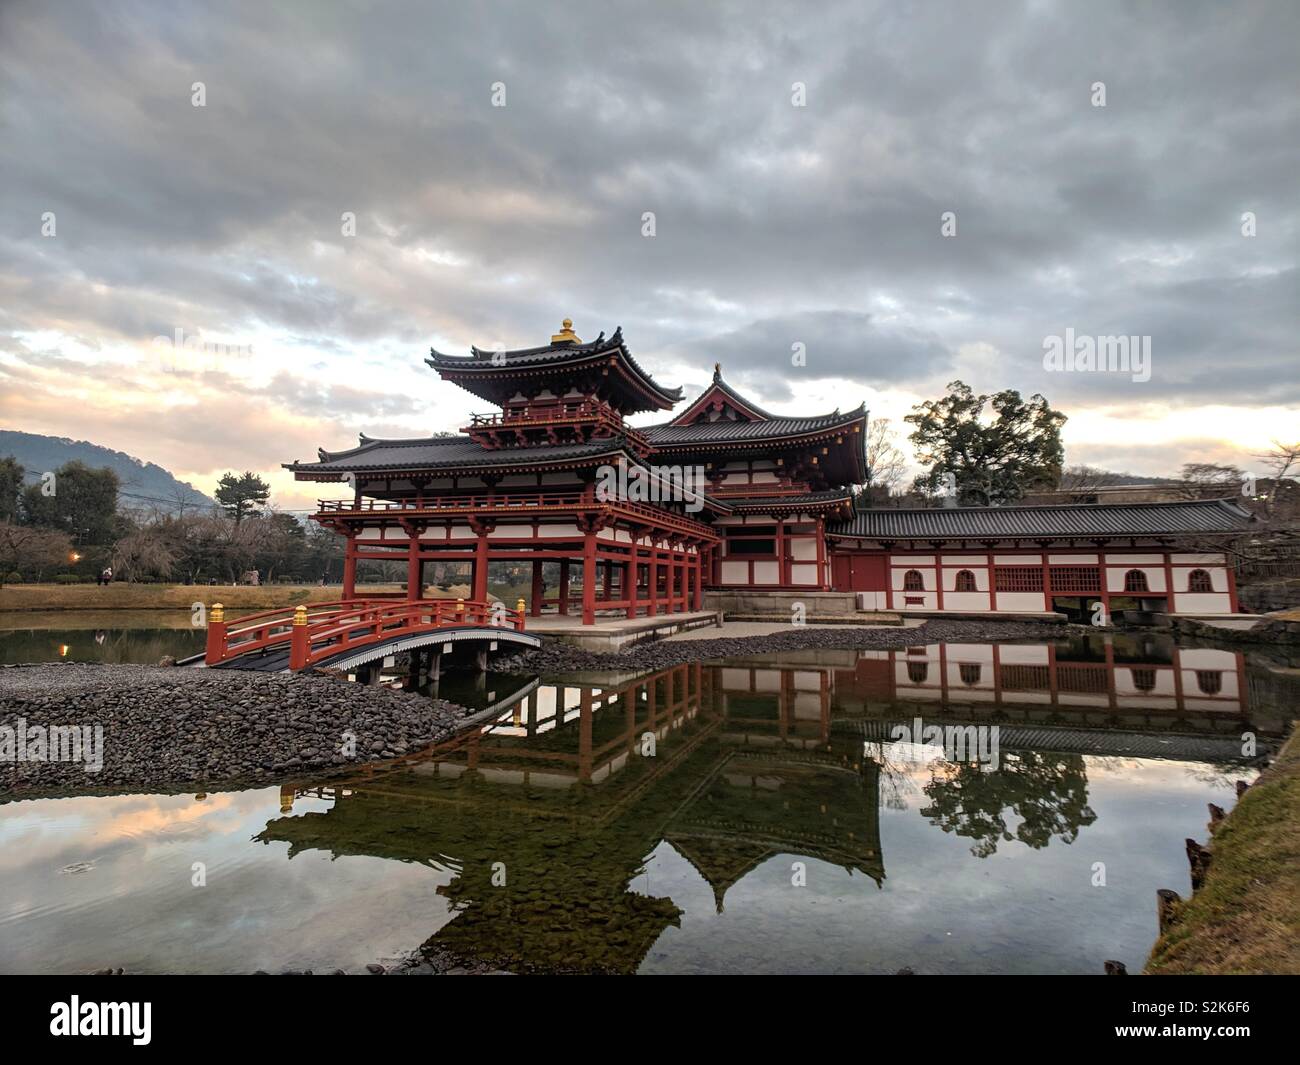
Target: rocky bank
(166, 727)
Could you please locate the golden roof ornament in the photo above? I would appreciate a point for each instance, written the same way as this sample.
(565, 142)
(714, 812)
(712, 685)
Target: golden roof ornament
(566, 335)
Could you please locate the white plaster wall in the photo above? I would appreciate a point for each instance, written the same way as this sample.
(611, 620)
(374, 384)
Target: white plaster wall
(1115, 578)
(1022, 655)
(735, 573)
(966, 601)
(1218, 578)
(766, 573)
(898, 574)
(805, 550)
(803, 574)
(981, 581)
(1021, 600)
(1202, 603)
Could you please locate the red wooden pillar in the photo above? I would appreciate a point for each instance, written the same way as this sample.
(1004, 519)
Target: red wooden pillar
(652, 573)
(536, 605)
(350, 568)
(479, 593)
(782, 555)
(589, 578)
(630, 581)
(697, 598)
(414, 569)
(822, 583)
(564, 586)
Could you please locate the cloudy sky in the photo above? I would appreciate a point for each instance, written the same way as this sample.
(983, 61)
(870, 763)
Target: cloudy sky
(798, 159)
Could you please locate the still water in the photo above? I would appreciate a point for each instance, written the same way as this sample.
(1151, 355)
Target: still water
(753, 815)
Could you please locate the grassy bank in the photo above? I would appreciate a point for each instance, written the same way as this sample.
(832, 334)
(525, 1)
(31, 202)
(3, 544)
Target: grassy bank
(1246, 917)
(122, 596)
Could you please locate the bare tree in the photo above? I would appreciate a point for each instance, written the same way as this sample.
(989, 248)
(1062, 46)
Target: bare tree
(886, 464)
(149, 551)
(26, 549)
(1209, 480)
(1082, 482)
(1281, 496)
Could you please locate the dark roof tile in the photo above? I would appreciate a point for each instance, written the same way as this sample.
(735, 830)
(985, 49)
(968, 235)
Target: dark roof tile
(1081, 519)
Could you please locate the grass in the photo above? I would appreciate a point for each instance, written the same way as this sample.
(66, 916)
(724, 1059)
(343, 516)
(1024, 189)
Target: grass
(1246, 917)
(122, 596)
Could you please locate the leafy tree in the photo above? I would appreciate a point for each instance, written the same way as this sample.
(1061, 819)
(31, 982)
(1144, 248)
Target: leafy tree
(989, 461)
(11, 487)
(1046, 793)
(241, 496)
(83, 503)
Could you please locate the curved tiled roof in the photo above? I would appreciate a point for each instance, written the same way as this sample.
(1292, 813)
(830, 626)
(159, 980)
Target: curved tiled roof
(437, 452)
(558, 356)
(669, 434)
(816, 499)
(1081, 520)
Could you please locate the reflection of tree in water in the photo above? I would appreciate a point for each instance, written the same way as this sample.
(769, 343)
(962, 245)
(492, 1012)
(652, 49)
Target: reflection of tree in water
(1047, 792)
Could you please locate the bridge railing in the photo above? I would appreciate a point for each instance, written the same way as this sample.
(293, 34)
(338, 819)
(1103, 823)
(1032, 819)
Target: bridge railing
(316, 631)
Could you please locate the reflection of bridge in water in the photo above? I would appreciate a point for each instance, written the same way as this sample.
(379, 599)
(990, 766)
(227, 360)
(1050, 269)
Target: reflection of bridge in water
(560, 793)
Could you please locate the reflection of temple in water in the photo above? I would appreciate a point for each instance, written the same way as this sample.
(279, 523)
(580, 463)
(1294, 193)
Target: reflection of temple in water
(546, 815)
(562, 798)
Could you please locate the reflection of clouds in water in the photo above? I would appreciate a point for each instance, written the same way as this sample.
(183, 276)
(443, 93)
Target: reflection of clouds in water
(98, 831)
(135, 889)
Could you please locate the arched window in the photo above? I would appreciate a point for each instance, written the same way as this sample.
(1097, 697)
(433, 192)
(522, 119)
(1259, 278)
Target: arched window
(970, 673)
(965, 581)
(1144, 680)
(912, 581)
(918, 671)
(1210, 681)
(1135, 581)
(1199, 581)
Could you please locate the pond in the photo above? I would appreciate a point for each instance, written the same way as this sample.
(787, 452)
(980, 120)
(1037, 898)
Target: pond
(755, 815)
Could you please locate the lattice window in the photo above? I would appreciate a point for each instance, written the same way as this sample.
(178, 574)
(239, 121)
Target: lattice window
(917, 672)
(1210, 681)
(1144, 680)
(1081, 679)
(1076, 578)
(965, 581)
(912, 581)
(1025, 678)
(1135, 581)
(970, 673)
(1018, 578)
(1199, 581)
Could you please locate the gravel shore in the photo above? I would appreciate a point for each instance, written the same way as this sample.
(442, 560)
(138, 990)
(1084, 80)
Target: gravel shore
(163, 727)
(564, 658)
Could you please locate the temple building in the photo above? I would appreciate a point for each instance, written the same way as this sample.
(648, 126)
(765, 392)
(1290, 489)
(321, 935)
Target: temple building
(612, 518)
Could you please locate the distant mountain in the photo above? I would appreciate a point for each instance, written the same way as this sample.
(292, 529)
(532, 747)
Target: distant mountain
(143, 483)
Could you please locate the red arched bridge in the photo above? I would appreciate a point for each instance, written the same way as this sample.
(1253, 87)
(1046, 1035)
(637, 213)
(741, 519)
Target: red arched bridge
(354, 632)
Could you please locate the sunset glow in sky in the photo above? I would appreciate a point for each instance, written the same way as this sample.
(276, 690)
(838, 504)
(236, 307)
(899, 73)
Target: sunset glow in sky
(775, 224)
